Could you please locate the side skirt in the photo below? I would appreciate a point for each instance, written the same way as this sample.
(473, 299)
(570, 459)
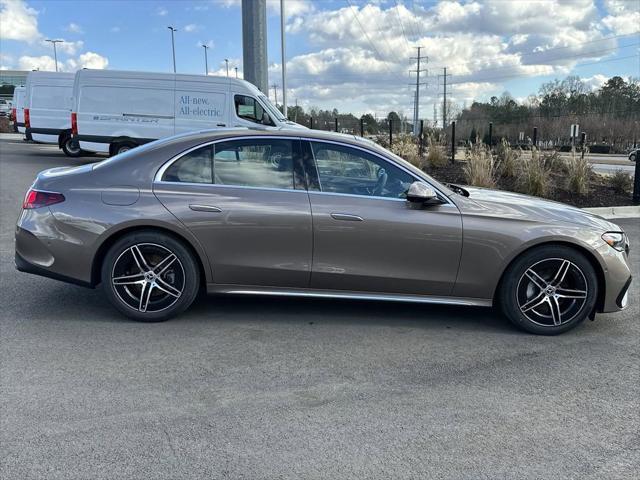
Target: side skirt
(302, 292)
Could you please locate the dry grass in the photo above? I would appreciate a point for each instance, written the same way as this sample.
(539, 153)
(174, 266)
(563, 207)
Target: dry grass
(481, 168)
(536, 174)
(436, 155)
(621, 182)
(578, 171)
(508, 159)
(406, 147)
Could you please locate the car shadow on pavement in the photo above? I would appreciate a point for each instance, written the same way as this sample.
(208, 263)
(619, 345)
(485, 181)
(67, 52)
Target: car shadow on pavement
(56, 301)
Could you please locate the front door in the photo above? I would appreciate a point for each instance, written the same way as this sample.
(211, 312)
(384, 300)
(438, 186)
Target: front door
(368, 238)
(244, 201)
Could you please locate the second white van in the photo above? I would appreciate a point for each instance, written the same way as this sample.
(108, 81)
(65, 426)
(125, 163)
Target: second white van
(17, 112)
(115, 111)
(47, 110)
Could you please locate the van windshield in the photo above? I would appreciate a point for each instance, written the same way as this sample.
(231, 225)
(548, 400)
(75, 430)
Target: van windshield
(271, 108)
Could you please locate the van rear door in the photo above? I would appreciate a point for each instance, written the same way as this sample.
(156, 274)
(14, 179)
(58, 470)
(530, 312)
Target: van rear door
(200, 104)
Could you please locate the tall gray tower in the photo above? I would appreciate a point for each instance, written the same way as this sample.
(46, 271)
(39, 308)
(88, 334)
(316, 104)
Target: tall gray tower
(254, 43)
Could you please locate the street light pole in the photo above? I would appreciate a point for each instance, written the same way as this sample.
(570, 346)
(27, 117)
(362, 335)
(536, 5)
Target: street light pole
(173, 46)
(236, 72)
(226, 61)
(284, 60)
(55, 52)
(206, 60)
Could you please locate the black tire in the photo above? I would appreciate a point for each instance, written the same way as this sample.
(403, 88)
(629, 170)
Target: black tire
(632, 157)
(554, 313)
(182, 274)
(71, 147)
(121, 147)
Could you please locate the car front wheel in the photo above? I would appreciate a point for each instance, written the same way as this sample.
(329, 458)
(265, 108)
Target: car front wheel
(150, 276)
(549, 290)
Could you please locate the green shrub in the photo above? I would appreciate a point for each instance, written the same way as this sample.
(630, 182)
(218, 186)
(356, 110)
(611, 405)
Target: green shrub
(480, 169)
(621, 182)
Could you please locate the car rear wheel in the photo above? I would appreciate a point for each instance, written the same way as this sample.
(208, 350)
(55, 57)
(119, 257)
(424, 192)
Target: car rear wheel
(633, 156)
(549, 290)
(119, 148)
(150, 276)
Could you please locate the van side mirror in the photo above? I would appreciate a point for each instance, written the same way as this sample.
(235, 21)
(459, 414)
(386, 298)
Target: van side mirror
(266, 119)
(421, 193)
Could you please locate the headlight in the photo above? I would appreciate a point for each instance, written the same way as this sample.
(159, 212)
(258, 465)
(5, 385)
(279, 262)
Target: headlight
(617, 240)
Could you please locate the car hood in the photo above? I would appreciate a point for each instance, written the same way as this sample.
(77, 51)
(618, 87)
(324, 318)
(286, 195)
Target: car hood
(516, 206)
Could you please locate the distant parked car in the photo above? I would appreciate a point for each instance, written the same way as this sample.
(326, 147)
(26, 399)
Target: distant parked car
(634, 154)
(313, 214)
(5, 107)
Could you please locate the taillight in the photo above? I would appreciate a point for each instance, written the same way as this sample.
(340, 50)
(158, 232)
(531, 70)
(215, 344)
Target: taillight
(38, 198)
(14, 116)
(74, 123)
(27, 120)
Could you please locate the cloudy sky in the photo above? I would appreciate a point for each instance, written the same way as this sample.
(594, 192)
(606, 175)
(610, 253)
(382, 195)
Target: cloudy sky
(345, 54)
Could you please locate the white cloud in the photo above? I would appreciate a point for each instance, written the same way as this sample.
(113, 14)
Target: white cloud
(92, 60)
(595, 82)
(190, 28)
(19, 21)
(115, 29)
(74, 28)
(43, 62)
(161, 11)
(623, 16)
(292, 8)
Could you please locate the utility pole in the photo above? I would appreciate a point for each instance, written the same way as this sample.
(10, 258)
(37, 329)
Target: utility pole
(55, 52)
(254, 43)
(295, 115)
(173, 46)
(284, 60)
(416, 107)
(275, 93)
(236, 71)
(226, 61)
(444, 99)
(206, 60)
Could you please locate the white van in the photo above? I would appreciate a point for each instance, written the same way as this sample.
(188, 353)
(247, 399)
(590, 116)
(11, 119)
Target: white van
(17, 113)
(114, 111)
(47, 110)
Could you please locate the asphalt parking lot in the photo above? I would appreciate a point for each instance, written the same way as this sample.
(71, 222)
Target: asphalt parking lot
(289, 388)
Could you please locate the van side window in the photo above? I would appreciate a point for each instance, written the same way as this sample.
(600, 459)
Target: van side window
(254, 163)
(193, 167)
(248, 108)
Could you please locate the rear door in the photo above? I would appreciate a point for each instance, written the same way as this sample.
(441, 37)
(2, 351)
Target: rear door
(246, 202)
(367, 237)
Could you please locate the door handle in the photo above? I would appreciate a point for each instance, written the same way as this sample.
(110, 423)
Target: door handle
(347, 217)
(221, 124)
(205, 208)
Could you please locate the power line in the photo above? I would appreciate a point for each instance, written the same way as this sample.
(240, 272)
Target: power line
(559, 115)
(401, 24)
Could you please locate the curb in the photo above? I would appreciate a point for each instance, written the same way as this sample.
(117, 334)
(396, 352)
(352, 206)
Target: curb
(629, 211)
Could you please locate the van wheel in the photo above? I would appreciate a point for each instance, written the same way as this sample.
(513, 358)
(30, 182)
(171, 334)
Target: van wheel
(71, 147)
(118, 148)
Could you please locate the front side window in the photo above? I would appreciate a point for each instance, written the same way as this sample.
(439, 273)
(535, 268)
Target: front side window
(193, 167)
(258, 163)
(351, 171)
(248, 108)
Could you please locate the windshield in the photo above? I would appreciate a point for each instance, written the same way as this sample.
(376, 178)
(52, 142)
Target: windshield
(271, 108)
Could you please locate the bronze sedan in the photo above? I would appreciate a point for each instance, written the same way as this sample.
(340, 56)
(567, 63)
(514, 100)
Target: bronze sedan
(307, 213)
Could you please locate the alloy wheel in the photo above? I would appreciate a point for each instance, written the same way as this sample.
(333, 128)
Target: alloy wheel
(552, 292)
(148, 277)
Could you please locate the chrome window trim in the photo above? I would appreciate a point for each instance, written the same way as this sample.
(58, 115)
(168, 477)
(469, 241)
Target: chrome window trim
(158, 176)
(217, 185)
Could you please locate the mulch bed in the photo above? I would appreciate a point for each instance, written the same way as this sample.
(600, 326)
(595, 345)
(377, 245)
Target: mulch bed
(600, 193)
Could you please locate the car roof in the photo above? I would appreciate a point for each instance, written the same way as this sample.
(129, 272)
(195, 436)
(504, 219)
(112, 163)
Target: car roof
(194, 138)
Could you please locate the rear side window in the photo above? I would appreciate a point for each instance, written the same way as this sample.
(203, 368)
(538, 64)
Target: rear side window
(193, 167)
(254, 163)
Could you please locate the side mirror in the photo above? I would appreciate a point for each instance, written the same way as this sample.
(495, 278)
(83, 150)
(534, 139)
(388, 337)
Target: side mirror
(266, 119)
(422, 193)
